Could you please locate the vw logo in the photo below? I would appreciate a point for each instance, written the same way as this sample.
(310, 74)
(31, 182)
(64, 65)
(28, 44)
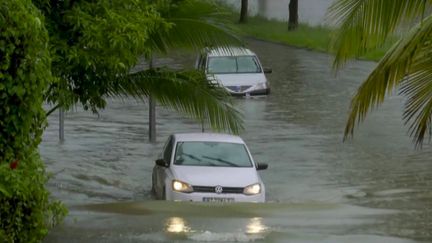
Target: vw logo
(218, 189)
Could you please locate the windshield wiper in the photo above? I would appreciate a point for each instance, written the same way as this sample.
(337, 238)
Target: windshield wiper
(221, 160)
(192, 156)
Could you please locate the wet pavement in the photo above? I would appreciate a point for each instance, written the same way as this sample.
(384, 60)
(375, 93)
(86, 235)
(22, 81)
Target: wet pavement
(375, 188)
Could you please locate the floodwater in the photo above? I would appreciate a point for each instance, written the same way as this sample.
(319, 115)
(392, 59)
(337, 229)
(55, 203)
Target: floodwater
(375, 188)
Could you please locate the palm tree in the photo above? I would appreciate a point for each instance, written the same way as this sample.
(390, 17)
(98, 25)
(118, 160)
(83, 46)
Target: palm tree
(96, 53)
(185, 91)
(365, 25)
(195, 25)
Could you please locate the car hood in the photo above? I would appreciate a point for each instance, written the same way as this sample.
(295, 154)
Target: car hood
(239, 79)
(213, 176)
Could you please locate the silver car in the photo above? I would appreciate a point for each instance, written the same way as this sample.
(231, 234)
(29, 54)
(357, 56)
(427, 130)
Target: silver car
(237, 69)
(207, 167)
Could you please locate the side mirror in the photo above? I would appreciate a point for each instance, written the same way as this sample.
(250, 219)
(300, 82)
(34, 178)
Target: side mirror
(267, 70)
(261, 166)
(161, 162)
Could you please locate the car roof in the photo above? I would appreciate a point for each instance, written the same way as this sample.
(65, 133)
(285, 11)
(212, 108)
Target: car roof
(208, 137)
(229, 51)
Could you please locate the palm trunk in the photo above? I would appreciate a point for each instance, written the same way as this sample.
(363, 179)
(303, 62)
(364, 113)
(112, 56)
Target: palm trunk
(293, 15)
(152, 111)
(243, 11)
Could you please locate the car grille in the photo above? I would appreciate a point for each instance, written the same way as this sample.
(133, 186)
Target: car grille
(211, 189)
(241, 88)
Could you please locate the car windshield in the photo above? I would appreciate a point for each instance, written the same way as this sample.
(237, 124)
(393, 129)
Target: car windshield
(240, 64)
(219, 154)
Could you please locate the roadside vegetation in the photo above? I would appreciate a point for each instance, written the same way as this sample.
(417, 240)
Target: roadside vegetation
(82, 52)
(317, 38)
(305, 36)
(26, 210)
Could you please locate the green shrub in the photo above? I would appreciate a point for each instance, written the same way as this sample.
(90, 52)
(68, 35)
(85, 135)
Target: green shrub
(24, 76)
(26, 212)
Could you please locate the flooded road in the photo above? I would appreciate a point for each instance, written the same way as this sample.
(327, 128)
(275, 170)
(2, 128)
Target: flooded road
(375, 188)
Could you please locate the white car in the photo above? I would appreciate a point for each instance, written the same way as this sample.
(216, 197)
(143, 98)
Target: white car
(207, 167)
(237, 69)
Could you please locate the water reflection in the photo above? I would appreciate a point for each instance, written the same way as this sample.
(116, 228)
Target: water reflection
(177, 225)
(256, 226)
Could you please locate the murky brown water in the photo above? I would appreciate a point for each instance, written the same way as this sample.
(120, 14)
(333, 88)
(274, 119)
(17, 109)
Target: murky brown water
(376, 188)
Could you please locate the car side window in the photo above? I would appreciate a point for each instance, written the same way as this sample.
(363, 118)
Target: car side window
(168, 150)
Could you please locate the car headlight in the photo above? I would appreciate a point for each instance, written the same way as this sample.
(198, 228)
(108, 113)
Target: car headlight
(261, 86)
(180, 186)
(252, 189)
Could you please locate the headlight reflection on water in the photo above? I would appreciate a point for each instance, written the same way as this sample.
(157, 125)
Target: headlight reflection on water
(177, 225)
(255, 226)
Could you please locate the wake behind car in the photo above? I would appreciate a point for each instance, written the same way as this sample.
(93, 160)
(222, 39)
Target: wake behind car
(237, 69)
(207, 167)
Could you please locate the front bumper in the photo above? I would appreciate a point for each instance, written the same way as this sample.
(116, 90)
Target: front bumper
(250, 93)
(199, 197)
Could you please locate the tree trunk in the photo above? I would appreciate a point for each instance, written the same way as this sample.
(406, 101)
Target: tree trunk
(243, 11)
(152, 111)
(152, 120)
(293, 15)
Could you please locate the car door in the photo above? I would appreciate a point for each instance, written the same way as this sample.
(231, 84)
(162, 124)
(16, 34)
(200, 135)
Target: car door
(161, 171)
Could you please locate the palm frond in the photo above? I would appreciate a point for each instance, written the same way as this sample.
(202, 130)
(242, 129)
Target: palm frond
(188, 92)
(418, 89)
(194, 24)
(197, 34)
(408, 62)
(364, 25)
(199, 9)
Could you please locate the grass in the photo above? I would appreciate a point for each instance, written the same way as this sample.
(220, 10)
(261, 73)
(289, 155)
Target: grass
(311, 37)
(305, 36)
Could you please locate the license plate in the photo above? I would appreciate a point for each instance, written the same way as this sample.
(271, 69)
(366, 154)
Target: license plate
(218, 199)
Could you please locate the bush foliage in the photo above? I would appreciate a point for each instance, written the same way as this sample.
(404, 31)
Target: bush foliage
(93, 43)
(26, 212)
(25, 74)
(67, 52)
